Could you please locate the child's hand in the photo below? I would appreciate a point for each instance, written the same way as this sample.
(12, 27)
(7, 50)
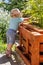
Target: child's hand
(26, 19)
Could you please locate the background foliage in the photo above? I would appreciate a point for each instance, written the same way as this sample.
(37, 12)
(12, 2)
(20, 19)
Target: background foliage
(21, 4)
(35, 10)
(4, 20)
(30, 8)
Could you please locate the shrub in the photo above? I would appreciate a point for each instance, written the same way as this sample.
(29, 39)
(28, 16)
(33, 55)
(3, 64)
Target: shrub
(34, 9)
(4, 20)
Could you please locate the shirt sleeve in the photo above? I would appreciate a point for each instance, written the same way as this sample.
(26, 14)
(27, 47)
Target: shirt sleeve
(21, 19)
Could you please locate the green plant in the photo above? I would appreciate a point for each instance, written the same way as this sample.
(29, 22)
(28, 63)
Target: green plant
(4, 20)
(2, 47)
(34, 10)
(13, 4)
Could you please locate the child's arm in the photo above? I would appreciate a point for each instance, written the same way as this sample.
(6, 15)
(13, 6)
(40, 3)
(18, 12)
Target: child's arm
(24, 21)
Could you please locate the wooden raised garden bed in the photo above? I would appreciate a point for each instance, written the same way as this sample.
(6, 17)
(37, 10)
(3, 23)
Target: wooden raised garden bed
(33, 27)
(31, 45)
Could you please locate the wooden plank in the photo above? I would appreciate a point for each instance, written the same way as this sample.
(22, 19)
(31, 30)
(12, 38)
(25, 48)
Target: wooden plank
(41, 58)
(23, 57)
(35, 53)
(29, 26)
(41, 47)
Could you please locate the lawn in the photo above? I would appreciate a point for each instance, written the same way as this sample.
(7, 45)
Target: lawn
(3, 47)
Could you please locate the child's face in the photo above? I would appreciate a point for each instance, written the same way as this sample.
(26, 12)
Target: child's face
(14, 13)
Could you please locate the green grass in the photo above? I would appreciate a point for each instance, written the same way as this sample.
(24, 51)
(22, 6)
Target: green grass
(3, 47)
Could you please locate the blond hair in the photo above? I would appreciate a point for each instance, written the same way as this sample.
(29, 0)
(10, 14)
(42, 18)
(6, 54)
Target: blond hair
(18, 14)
